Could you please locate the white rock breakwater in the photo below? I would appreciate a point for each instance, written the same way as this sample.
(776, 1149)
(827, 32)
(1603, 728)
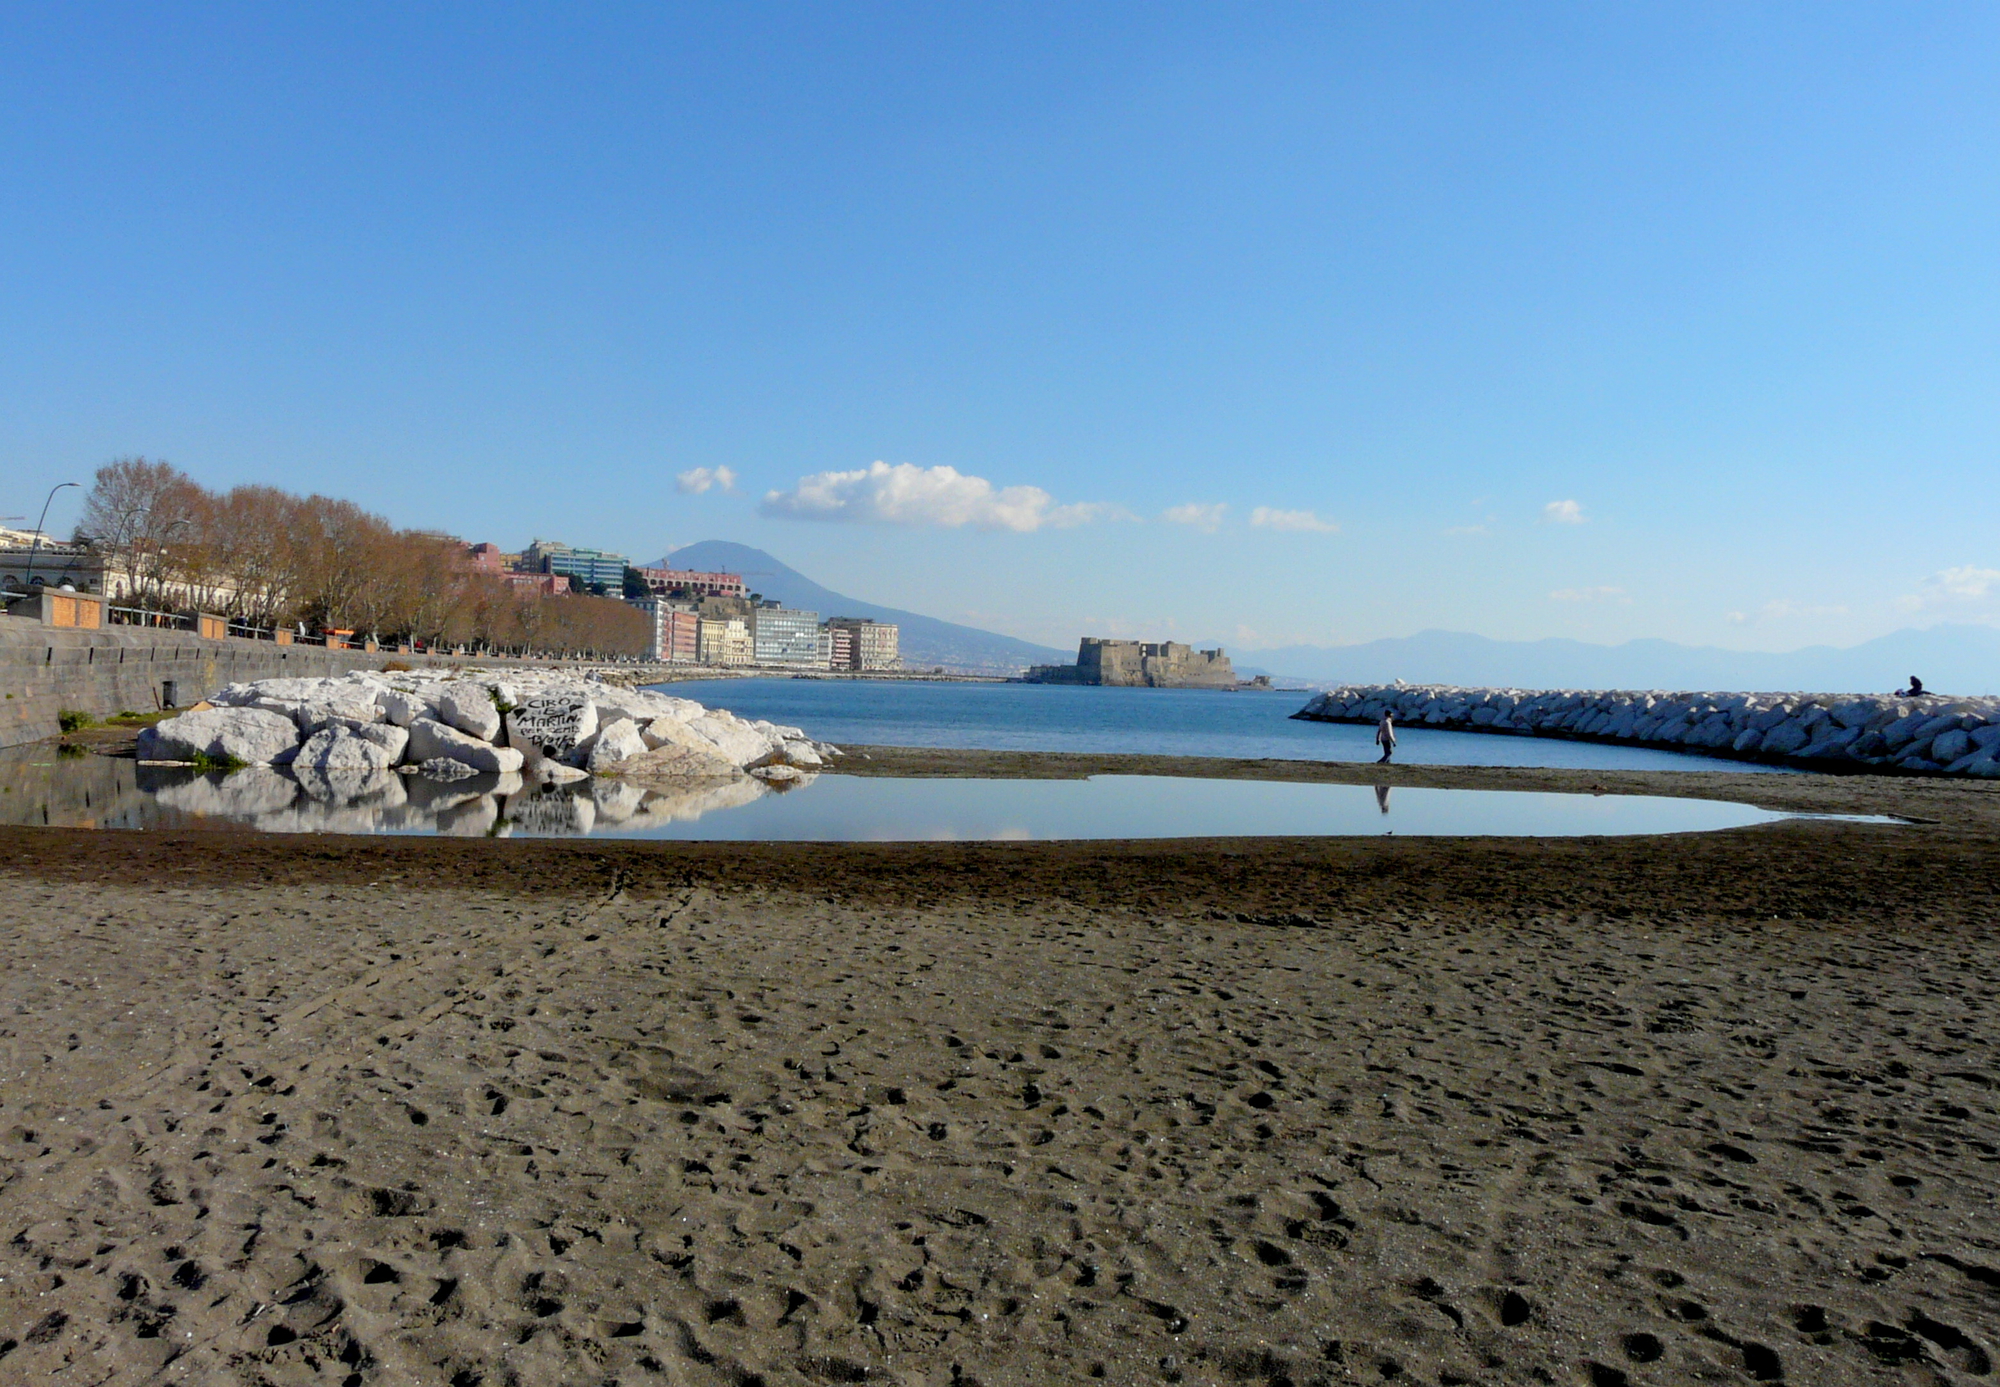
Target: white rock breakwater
(1937, 734)
(549, 724)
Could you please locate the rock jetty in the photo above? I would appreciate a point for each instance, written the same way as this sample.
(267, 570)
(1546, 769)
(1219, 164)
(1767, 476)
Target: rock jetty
(549, 724)
(1932, 734)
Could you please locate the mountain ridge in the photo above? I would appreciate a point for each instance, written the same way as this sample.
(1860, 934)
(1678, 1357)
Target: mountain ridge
(1963, 659)
(1956, 658)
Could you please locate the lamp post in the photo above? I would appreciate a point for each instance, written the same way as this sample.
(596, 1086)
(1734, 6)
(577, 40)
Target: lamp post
(33, 549)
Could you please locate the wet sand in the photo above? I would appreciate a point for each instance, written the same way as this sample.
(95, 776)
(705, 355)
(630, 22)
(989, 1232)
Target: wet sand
(1703, 1108)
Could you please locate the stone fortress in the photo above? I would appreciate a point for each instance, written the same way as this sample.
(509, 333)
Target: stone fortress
(1143, 665)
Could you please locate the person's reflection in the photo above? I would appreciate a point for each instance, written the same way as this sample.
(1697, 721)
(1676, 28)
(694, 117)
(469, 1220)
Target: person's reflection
(1382, 798)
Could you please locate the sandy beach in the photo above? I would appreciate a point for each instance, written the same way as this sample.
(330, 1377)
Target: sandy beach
(1713, 1108)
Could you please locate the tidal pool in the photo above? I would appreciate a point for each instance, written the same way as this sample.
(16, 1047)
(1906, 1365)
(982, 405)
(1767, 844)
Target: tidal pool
(37, 787)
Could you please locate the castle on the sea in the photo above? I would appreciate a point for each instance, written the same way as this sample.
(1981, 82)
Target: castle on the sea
(1141, 664)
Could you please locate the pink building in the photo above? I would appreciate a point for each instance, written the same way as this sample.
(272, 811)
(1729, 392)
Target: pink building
(687, 582)
(676, 631)
(547, 584)
(840, 647)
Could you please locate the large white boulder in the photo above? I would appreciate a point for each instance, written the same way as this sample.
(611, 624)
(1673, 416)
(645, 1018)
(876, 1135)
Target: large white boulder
(251, 736)
(470, 708)
(392, 739)
(342, 749)
(289, 707)
(290, 690)
(618, 742)
(675, 751)
(639, 706)
(799, 754)
(739, 742)
(404, 706)
(346, 709)
(433, 740)
(552, 727)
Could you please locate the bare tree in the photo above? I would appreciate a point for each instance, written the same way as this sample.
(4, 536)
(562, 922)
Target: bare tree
(135, 509)
(268, 556)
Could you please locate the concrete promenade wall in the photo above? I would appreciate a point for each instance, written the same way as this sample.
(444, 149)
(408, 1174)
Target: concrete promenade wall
(1932, 734)
(45, 669)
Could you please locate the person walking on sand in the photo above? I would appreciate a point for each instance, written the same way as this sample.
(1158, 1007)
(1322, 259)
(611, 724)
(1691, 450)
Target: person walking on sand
(1385, 737)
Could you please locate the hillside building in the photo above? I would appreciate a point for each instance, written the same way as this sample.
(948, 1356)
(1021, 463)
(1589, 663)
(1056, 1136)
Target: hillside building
(690, 583)
(486, 558)
(585, 568)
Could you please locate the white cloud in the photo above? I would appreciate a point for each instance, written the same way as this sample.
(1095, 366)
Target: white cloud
(1562, 513)
(1966, 590)
(905, 494)
(1292, 521)
(1202, 517)
(697, 480)
(1596, 594)
(1965, 582)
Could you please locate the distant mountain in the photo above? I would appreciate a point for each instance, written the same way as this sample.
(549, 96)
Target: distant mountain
(925, 640)
(1951, 659)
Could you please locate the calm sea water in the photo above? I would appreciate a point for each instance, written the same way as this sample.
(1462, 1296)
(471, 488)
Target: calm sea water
(1169, 722)
(108, 792)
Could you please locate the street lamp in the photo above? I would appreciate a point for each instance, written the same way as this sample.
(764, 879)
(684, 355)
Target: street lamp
(29, 581)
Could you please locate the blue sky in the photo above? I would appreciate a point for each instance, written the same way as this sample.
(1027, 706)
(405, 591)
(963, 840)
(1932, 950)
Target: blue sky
(1599, 321)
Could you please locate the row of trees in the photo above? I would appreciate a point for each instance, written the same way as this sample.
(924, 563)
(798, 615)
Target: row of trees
(270, 558)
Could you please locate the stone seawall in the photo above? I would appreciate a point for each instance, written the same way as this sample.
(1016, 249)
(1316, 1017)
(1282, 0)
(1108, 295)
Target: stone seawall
(1932, 734)
(44, 670)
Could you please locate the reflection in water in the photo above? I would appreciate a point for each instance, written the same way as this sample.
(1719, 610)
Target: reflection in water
(110, 792)
(99, 792)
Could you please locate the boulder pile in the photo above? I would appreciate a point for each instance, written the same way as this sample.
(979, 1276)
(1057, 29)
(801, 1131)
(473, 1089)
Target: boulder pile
(549, 725)
(1932, 733)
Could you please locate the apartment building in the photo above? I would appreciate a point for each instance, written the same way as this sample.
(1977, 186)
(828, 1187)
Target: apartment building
(724, 641)
(785, 636)
(676, 638)
(837, 642)
(867, 644)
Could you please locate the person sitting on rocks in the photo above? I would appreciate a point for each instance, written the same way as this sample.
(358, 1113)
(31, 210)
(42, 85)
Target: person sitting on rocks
(1916, 689)
(1385, 737)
